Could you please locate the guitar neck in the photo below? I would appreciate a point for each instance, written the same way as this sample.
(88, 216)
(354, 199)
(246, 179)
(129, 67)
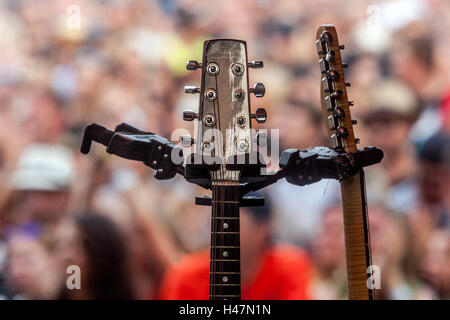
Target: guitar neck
(357, 242)
(225, 262)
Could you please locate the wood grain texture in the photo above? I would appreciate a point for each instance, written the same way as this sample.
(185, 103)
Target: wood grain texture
(354, 204)
(356, 237)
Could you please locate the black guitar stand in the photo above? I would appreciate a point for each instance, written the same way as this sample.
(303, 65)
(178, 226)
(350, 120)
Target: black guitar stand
(299, 167)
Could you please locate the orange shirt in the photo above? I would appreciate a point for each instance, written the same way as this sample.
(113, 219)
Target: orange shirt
(284, 274)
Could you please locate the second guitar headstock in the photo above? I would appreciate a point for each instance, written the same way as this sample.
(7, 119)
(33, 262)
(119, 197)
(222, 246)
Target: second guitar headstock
(335, 103)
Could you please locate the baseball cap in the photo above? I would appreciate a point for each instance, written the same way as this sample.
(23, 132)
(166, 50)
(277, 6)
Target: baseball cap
(43, 167)
(392, 98)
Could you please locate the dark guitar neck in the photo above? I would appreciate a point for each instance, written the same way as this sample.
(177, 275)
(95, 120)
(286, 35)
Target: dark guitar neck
(225, 262)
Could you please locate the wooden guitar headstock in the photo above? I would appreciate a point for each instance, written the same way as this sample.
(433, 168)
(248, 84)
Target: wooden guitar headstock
(335, 104)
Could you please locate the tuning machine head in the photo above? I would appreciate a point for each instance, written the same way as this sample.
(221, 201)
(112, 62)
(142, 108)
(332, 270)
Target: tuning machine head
(256, 64)
(191, 89)
(187, 141)
(260, 115)
(189, 115)
(258, 90)
(192, 65)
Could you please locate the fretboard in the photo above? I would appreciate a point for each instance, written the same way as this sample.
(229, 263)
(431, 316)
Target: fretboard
(225, 262)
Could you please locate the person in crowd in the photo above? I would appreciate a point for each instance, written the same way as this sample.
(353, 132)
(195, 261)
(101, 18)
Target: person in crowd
(268, 271)
(328, 255)
(388, 121)
(434, 264)
(388, 234)
(296, 209)
(390, 253)
(129, 67)
(42, 181)
(97, 247)
(31, 271)
(432, 213)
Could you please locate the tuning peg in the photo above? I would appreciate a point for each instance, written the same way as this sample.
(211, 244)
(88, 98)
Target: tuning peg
(354, 121)
(333, 75)
(341, 46)
(342, 132)
(357, 140)
(189, 115)
(326, 37)
(260, 115)
(330, 56)
(348, 83)
(193, 65)
(344, 65)
(256, 64)
(186, 141)
(191, 89)
(351, 103)
(336, 94)
(258, 90)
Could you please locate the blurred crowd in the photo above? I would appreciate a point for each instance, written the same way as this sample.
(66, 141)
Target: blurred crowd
(125, 62)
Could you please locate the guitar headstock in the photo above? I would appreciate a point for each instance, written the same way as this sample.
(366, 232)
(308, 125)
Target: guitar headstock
(224, 116)
(333, 91)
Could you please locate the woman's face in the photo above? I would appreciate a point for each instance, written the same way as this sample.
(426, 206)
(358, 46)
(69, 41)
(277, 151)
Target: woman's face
(70, 250)
(31, 269)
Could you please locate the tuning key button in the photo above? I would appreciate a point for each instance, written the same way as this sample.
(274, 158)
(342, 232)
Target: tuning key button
(357, 140)
(354, 121)
(348, 83)
(326, 85)
(193, 65)
(320, 47)
(341, 46)
(260, 115)
(351, 103)
(323, 65)
(331, 122)
(189, 115)
(336, 142)
(186, 141)
(191, 89)
(330, 103)
(258, 90)
(256, 64)
(344, 65)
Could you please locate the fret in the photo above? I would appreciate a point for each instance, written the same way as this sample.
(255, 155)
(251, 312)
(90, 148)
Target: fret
(227, 260)
(226, 285)
(230, 218)
(225, 232)
(225, 296)
(223, 272)
(226, 247)
(226, 201)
